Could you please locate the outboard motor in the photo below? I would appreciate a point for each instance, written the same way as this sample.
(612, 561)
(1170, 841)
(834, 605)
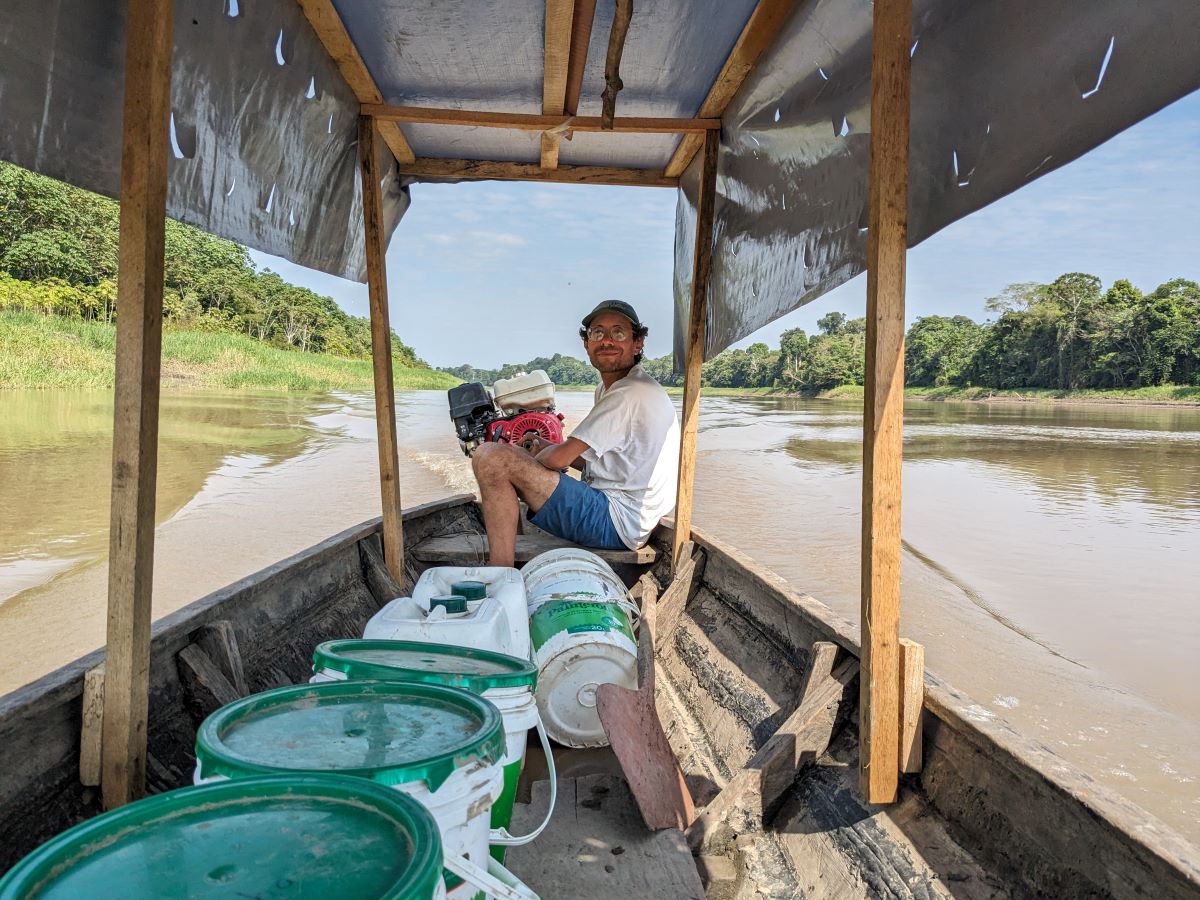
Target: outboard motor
(523, 409)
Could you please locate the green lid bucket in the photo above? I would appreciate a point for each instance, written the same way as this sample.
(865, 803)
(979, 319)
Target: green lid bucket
(472, 590)
(277, 836)
(390, 733)
(415, 662)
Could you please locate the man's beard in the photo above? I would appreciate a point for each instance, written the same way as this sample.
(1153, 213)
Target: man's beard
(612, 365)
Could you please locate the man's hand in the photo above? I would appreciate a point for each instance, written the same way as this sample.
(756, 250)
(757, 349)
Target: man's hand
(559, 456)
(534, 444)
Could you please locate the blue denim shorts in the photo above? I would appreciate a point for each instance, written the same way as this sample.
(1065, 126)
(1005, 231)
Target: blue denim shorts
(579, 513)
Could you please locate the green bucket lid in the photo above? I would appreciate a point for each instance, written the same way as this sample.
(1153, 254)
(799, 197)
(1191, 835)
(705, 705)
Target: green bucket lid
(391, 733)
(412, 661)
(454, 603)
(276, 836)
(472, 590)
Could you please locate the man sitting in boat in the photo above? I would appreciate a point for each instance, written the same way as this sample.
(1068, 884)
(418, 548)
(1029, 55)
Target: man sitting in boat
(627, 448)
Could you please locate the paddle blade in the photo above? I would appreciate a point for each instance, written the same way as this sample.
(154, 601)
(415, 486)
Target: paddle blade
(631, 722)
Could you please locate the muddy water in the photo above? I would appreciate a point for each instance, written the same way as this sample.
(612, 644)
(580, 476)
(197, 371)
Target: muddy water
(1050, 567)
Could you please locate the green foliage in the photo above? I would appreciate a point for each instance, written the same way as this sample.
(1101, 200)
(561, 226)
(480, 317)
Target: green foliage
(58, 256)
(562, 369)
(938, 350)
(1069, 335)
(660, 370)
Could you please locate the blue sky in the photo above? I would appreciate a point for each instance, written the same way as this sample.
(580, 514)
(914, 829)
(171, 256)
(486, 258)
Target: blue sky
(494, 272)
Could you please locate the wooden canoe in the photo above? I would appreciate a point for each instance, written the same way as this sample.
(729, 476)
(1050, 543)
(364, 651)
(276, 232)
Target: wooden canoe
(756, 691)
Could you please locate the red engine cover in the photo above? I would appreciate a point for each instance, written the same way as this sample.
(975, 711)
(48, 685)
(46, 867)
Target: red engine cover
(516, 429)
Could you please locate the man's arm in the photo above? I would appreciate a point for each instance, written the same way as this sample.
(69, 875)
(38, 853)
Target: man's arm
(560, 456)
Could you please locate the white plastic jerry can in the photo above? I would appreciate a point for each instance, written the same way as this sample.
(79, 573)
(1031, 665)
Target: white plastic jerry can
(495, 617)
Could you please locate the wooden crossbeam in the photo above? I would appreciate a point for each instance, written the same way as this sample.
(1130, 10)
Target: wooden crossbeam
(764, 23)
(556, 64)
(754, 792)
(883, 407)
(331, 32)
(205, 686)
(673, 602)
(476, 169)
(383, 585)
(529, 122)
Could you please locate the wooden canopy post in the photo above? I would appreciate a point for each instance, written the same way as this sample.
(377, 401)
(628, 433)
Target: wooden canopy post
(381, 348)
(697, 324)
(147, 111)
(883, 410)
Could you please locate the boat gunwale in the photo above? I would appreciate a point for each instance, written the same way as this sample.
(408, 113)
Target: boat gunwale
(66, 682)
(1156, 849)
(1021, 756)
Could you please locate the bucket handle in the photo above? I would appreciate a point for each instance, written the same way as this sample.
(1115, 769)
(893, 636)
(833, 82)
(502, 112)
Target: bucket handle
(500, 835)
(496, 881)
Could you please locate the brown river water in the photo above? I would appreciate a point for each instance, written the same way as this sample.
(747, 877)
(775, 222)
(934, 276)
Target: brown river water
(1051, 566)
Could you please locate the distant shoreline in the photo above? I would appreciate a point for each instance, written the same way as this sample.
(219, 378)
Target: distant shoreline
(1175, 396)
(1165, 395)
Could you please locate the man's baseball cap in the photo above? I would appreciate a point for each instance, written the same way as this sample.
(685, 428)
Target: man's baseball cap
(617, 306)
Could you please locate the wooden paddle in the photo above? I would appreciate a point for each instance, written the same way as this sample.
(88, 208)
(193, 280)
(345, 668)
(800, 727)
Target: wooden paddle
(630, 720)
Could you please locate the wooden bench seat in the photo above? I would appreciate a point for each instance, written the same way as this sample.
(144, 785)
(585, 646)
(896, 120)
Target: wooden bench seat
(472, 550)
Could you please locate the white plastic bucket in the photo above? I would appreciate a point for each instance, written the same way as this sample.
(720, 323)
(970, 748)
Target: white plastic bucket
(582, 625)
(570, 572)
(518, 707)
(461, 807)
(578, 646)
(467, 785)
(499, 623)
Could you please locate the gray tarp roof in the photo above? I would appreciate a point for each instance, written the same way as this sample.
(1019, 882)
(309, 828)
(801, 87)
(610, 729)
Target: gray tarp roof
(1003, 92)
(269, 149)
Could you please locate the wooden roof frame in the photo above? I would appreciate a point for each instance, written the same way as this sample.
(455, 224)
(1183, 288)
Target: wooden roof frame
(567, 36)
(424, 115)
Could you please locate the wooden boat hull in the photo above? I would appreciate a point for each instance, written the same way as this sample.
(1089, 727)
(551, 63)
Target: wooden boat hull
(991, 814)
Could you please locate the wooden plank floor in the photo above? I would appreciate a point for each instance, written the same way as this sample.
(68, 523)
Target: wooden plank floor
(597, 847)
(472, 550)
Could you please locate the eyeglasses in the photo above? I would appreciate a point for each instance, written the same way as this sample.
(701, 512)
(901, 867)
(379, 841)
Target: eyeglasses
(618, 333)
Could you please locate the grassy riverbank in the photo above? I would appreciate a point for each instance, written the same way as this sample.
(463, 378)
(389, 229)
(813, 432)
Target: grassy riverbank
(54, 352)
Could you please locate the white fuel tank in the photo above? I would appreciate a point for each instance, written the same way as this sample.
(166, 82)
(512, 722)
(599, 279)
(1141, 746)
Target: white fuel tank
(525, 390)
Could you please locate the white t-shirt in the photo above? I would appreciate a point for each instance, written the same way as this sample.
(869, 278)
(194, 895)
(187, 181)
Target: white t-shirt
(633, 453)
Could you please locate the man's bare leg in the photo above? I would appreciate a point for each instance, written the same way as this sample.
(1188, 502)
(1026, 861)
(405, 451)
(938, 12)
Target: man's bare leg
(507, 475)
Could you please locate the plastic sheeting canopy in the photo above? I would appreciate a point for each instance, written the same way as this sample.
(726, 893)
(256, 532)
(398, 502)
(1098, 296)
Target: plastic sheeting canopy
(264, 129)
(1002, 93)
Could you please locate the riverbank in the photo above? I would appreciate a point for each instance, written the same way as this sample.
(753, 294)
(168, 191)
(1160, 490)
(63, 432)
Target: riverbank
(55, 352)
(1163, 395)
(678, 391)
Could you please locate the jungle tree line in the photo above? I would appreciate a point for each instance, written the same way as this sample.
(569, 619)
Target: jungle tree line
(1069, 334)
(58, 256)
